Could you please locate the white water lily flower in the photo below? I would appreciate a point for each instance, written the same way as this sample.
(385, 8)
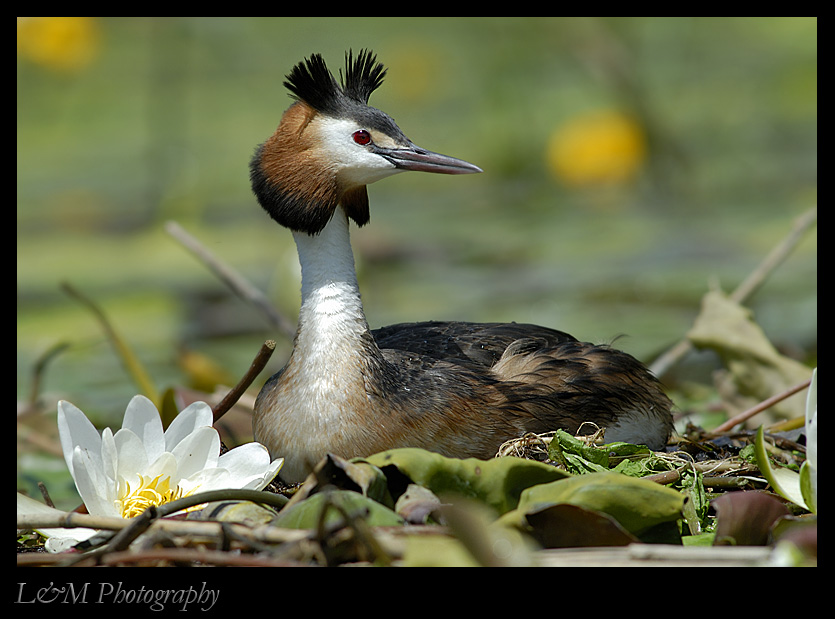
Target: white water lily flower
(124, 473)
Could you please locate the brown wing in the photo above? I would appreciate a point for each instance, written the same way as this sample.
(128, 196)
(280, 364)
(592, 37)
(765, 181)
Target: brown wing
(523, 378)
(480, 343)
(585, 382)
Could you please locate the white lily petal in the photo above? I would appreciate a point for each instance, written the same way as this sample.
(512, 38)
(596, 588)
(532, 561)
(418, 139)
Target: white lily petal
(259, 482)
(62, 540)
(142, 417)
(250, 467)
(812, 435)
(75, 429)
(194, 416)
(246, 461)
(271, 473)
(197, 451)
(166, 466)
(109, 454)
(812, 421)
(133, 459)
(89, 481)
(87, 468)
(205, 480)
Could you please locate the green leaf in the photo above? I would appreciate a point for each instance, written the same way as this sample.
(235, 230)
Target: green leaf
(785, 482)
(308, 513)
(565, 445)
(579, 458)
(702, 539)
(636, 504)
(696, 506)
(498, 482)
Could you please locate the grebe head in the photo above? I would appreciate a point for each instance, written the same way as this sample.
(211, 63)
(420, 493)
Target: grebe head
(330, 144)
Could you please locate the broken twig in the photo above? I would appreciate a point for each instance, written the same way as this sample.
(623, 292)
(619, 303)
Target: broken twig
(254, 370)
(234, 280)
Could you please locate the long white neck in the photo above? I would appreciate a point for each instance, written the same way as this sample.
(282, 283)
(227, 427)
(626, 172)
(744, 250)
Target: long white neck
(315, 399)
(331, 319)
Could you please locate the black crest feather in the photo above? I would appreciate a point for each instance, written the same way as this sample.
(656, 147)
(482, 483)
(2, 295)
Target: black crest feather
(311, 81)
(363, 76)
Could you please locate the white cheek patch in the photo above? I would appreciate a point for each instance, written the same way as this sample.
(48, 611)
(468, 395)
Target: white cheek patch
(351, 162)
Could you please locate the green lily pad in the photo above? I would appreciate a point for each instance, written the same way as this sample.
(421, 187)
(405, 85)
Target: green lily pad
(308, 513)
(636, 504)
(498, 482)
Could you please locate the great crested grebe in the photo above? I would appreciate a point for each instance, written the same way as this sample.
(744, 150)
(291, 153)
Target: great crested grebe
(457, 388)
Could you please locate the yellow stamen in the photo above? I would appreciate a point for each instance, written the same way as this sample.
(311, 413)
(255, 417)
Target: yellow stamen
(149, 491)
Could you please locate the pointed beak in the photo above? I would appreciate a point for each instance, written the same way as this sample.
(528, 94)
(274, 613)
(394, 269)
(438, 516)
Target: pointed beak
(420, 160)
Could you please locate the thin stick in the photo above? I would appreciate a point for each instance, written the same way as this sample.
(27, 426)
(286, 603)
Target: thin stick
(776, 256)
(70, 520)
(131, 362)
(730, 423)
(747, 287)
(45, 494)
(254, 370)
(201, 556)
(234, 280)
(37, 374)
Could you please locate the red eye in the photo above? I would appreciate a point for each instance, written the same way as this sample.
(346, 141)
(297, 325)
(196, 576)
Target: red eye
(362, 137)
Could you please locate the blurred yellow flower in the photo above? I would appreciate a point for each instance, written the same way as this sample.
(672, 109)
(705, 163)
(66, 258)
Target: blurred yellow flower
(599, 148)
(60, 43)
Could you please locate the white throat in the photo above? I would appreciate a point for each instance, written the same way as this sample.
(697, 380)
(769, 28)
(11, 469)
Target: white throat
(312, 404)
(331, 316)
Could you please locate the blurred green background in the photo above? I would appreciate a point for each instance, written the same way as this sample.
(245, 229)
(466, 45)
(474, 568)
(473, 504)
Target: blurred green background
(629, 163)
